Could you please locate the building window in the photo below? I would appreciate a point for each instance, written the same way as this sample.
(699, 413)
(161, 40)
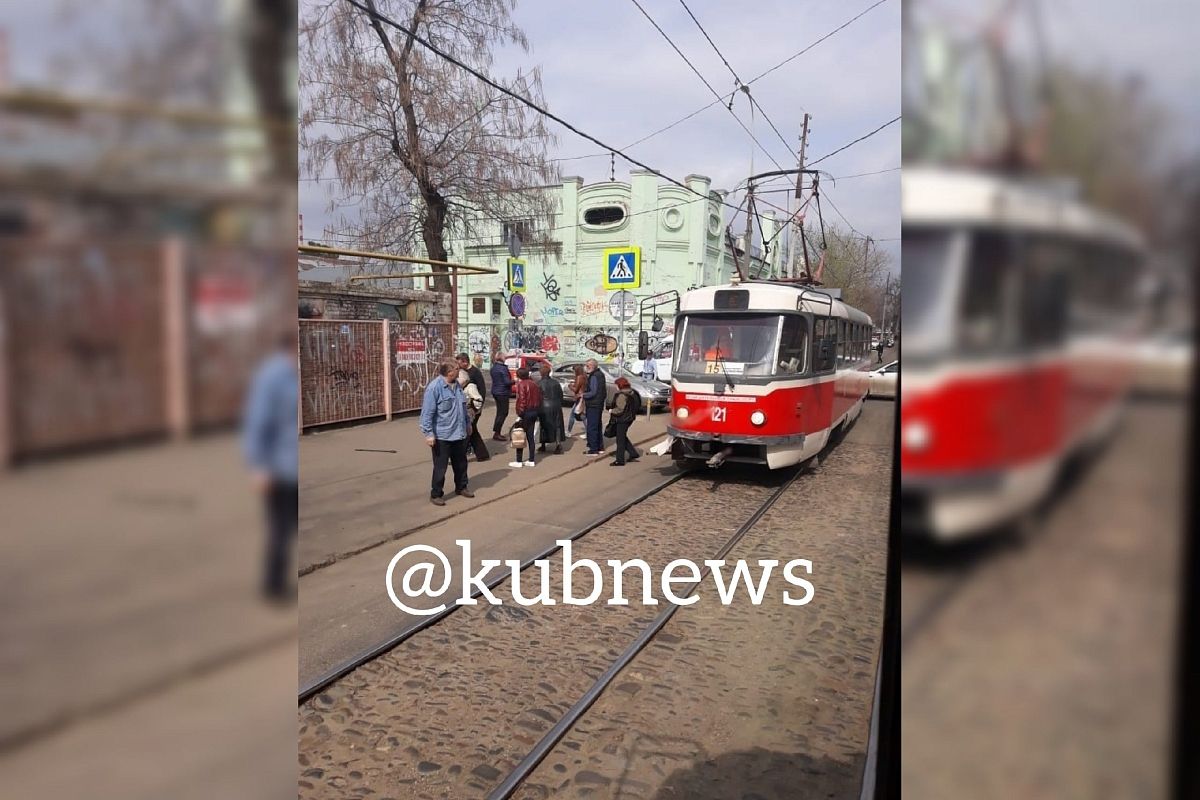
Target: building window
(523, 228)
(604, 216)
(496, 307)
(478, 305)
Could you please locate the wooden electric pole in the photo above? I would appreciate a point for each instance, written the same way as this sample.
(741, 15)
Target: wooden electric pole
(791, 259)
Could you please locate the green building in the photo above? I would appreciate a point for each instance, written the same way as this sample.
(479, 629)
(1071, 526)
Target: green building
(681, 237)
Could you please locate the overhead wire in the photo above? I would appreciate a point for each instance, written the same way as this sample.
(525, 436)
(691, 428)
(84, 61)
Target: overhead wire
(848, 145)
(703, 80)
(375, 14)
(724, 98)
(736, 77)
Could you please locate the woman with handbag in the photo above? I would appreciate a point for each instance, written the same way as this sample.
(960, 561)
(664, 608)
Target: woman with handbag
(474, 409)
(578, 384)
(625, 406)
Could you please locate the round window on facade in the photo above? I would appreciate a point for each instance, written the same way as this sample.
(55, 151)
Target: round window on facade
(714, 224)
(672, 219)
(604, 216)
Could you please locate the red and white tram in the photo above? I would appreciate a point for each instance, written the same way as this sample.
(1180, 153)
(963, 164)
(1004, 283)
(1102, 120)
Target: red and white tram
(1017, 334)
(764, 372)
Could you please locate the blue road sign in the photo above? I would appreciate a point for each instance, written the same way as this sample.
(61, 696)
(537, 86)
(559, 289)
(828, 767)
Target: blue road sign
(623, 268)
(516, 274)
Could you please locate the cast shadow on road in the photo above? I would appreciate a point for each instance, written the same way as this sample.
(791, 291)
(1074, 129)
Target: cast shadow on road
(763, 775)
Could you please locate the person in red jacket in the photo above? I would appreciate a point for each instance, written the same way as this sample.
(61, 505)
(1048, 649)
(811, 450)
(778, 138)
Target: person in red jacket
(529, 408)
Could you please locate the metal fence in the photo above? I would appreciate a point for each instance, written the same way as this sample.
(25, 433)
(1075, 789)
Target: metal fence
(347, 372)
(85, 357)
(110, 340)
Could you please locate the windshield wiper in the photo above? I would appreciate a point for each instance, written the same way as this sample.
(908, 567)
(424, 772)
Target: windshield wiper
(721, 362)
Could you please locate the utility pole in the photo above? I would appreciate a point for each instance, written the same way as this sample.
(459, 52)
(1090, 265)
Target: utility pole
(791, 258)
(887, 291)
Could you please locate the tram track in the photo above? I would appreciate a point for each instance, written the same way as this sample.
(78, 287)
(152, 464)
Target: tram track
(322, 682)
(344, 693)
(534, 757)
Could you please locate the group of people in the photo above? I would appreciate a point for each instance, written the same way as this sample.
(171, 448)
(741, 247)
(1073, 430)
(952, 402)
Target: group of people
(454, 400)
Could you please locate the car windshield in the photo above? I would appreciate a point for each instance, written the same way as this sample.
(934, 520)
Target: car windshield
(743, 344)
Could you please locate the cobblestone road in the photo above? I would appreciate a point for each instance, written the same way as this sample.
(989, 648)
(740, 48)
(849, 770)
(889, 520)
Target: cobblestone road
(1045, 669)
(447, 714)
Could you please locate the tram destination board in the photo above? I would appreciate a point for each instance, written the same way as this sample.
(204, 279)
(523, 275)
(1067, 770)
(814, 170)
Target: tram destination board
(731, 300)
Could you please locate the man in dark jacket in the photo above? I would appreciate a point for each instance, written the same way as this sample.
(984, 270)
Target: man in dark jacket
(593, 406)
(473, 373)
(553, 428)
(502, 384)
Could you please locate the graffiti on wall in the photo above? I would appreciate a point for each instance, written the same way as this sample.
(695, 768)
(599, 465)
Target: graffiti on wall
(551, 288)
(531, 339)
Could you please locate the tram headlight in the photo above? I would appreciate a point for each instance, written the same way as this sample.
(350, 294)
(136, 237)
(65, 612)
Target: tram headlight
(917, 435)
(758, 418)
(681, 412)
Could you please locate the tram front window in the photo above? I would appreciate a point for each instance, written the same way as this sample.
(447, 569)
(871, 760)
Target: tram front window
(933, 259)
(745, 345)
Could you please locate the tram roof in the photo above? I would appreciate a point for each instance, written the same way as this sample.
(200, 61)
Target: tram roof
(941, 196)
(768, 297)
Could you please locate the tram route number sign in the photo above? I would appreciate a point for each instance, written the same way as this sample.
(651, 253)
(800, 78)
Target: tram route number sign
(731, 368)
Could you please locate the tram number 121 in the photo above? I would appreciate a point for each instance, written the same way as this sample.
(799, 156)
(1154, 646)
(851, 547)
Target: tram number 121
(718, 413)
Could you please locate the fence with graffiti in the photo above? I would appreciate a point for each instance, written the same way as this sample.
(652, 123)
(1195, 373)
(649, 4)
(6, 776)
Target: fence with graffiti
(355, 370)
(120, 339)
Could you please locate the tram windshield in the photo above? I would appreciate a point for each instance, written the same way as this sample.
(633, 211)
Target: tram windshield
(743, 345)
(933, 260)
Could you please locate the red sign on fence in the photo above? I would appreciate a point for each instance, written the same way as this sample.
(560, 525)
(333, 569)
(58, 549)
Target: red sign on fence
(410, 351)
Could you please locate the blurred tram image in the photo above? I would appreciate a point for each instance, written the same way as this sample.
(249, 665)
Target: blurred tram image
(1020, 321)
(763, 372)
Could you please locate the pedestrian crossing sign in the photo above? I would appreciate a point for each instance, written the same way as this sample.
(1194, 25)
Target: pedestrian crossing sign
(516, 274)
(623, 268)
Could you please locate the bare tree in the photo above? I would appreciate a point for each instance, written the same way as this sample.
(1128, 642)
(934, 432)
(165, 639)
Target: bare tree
(417, 143)
(854, 266)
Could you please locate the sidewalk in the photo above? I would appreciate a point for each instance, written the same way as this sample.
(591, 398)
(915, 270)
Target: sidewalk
(129, 582)
(516, 513)
(352, 499)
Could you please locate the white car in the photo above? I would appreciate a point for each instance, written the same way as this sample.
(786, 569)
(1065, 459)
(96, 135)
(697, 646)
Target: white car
(662, 353)
(883, 380)
(1164, 365)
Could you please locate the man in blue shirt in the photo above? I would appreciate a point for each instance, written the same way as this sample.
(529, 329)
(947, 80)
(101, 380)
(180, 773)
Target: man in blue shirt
(444, 424)
(594, 395)
(270, 446)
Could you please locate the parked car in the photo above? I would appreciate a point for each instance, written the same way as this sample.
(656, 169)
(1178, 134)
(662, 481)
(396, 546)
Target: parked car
(1164, 365)
(883, 380)
(654, 394)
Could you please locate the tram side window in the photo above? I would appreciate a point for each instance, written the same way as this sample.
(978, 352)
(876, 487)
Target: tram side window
(843, 343)
(793, 346)
(985, 321)
(824, 344)
(1043, 309)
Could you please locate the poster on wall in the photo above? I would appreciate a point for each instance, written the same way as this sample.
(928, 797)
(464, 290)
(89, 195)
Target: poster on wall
(410, 351)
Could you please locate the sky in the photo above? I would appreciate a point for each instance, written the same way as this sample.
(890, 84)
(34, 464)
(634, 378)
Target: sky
(607, 71)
